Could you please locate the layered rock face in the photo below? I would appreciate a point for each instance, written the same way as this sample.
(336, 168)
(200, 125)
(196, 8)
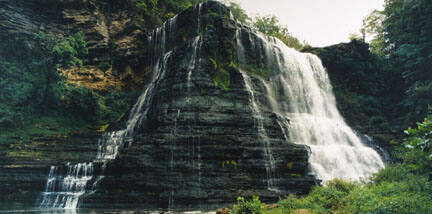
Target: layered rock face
(225, 112)
(25, 164)
(114, 36)
(109, 34)
(200, 143)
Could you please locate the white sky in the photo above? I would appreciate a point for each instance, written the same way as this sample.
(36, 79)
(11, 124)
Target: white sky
(319, 22)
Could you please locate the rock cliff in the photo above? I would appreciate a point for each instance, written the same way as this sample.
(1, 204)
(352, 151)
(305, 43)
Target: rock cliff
(200, 144)
(109, 34)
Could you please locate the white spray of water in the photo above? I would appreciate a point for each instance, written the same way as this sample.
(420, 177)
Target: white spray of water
(300, 92)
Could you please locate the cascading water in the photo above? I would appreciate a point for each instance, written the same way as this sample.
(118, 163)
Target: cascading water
(270, 162)
(64, 191)
(196, 44)
(67, 184)
(299, 92)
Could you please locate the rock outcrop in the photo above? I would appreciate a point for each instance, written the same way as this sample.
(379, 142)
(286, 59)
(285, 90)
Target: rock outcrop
(109, 34)
(199, 146)
(114, 36)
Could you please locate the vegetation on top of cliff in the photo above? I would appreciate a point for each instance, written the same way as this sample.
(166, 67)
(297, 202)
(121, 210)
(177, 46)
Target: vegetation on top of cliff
(268, 25)
(153, 13)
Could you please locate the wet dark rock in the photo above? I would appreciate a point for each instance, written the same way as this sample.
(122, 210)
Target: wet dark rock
(24, 165)
(199, 147)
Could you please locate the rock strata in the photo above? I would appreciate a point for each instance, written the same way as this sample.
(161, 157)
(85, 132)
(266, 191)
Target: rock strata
(199, 147)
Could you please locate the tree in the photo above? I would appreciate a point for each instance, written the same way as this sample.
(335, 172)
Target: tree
(30, 80)
(373, 29)
(269, 25)
(407, 28)
(400, 34)
(238, 12)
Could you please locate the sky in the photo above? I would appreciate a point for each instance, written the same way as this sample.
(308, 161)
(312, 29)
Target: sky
(318, 22)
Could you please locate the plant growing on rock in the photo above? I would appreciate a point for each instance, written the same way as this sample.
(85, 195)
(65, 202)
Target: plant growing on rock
(253, 206)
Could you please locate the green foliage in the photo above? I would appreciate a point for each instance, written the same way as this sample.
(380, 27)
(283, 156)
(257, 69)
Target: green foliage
(418, 143)
(116, 104)
(373, 28)
(405, 194)
(379, 122)
(269, 25)
(150, 13)
(104, 66)
(401, 33)
(322, 199)
(238, 12)
(254, 206)
(153, 13)
(222, 78)
(418, 99)
(30, 80)
(81, 101)
(32, 85)
(392, 173)
(409, 196)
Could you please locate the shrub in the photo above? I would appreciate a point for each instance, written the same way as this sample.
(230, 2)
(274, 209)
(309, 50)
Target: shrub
(419, 147)
(392, 173)
(104, 66)
(342, 185)
(254, 206)
(322, 199)
(390, 197)
(8, 117)
(83, 103)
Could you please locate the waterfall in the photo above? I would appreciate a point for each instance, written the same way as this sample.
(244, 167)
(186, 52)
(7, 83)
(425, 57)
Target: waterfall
(298, 90)
(270, 161)
(196, 47)
(64, 191)
(67, 184)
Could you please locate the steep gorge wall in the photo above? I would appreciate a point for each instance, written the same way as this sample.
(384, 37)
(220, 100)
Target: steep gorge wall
(199, 146)
(214, 143)
(113, 34)
(199, 142)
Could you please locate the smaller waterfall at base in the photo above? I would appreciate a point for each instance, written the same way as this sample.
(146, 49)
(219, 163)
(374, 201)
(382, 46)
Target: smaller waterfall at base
(300, 93)
(64, 191)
